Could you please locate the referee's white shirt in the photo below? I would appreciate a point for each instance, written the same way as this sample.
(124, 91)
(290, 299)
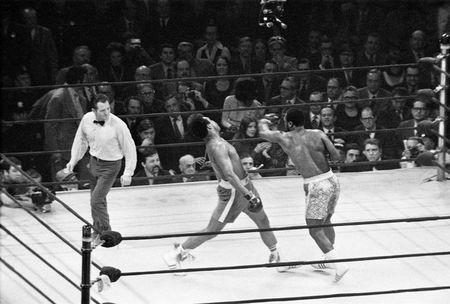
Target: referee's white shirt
(112, 141)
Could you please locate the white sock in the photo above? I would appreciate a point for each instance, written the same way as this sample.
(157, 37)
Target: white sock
(331, 255)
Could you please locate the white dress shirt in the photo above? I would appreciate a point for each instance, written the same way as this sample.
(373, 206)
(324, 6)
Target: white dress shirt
(110, 142)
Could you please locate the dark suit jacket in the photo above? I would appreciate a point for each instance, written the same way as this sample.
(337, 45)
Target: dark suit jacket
(166, 178)
(390, 119)
(390, 144)
(277, 101)
(165, 134)
(405, 134)
(43, 61)
(362, 60)
(383, 166)
(377, 106)
(60, 135)
(163, 90)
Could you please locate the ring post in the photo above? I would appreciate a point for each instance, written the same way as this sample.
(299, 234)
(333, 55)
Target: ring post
(445, 48)
(86, 265)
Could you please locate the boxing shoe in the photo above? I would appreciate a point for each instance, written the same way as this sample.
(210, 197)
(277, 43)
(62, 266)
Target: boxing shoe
(341, 270)
(321, 266)
(174, 258)
(274, 257)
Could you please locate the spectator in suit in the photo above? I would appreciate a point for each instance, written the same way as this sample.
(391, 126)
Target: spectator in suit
(217, 90)
(419, 113)
(187, 166)
(397, 111)
(135, 54)
(328, 119)
(164, 69)
(150, 104)
(412, 79)
(372, 151)
(346, 59)
(334, 90)
(308, 82)
(244, 63)
(347, 114)
(277, 48)
(171, 129)
(287, 96)
(199, 67)
(141, 73)
(152, 170)
(244, 97)
(393, 76)
(43, 60)
(371, 53)
(373, 90)
(115, 70)
(81, 55)
(213, 48)
(387, 140)
(268, 85)
(416, 48)
(327, 59)
(313, 119)
(312, 49)
(59, 135)
(352, 154)
(133, 106)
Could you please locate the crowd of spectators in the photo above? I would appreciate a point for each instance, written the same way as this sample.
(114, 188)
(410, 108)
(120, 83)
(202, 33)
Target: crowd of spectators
(84, 42)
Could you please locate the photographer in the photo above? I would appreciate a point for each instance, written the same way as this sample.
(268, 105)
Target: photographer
(29, 197)
(135, 55)
(190, 98)
(413, 146)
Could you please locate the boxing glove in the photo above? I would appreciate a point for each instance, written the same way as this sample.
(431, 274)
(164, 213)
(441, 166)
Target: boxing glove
(254, 203)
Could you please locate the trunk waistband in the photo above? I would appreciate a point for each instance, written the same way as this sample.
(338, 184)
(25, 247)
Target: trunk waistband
(226, 184)
(318, 177)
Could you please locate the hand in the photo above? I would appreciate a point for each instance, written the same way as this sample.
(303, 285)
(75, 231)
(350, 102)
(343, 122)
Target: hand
(147, 142)
(262, 146)
(69, 167)
(200, 160)
(254, 203)
(125, 180)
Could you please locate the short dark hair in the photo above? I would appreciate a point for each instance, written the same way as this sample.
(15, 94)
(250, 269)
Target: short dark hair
(99, 98)
(75, 74)
(295, 116)
(145, 124)
(371, 141)
(245, 89)
(351, 146)
(149, 151)
(198, 126)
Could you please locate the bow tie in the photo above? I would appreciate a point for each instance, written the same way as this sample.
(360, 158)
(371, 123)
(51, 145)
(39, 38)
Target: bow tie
(100, 122)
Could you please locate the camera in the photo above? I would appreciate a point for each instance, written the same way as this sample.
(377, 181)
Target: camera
(445, 39)
(190, 94)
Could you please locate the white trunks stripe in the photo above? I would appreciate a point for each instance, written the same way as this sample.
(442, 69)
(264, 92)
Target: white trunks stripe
(226, 184)
(228, 206)
(319, 177)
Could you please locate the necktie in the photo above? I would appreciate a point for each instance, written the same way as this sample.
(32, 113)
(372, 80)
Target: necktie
(314, 122)
(169, 73)
(100, 122)
(176, 129)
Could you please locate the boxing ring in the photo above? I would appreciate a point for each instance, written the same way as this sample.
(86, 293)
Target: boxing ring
(182, 208)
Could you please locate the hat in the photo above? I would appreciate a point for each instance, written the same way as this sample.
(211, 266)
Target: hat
(276, 39)
(64, 175)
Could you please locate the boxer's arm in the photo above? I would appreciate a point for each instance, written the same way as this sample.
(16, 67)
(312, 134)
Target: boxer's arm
(265, 132)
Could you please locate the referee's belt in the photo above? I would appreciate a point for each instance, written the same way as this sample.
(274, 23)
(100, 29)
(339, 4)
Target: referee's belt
(102, 160)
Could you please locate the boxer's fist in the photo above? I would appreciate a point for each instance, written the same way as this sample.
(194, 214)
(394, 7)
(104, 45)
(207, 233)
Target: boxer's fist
(254, 203)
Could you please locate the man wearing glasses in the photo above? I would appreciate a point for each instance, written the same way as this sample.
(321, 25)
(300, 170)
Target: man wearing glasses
(419, 112)
(288, 96)
(388, 140)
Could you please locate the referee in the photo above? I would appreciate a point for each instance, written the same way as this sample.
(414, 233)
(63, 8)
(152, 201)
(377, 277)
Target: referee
(109, 140)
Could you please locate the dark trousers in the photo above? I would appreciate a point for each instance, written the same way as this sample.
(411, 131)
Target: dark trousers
(103, 175)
